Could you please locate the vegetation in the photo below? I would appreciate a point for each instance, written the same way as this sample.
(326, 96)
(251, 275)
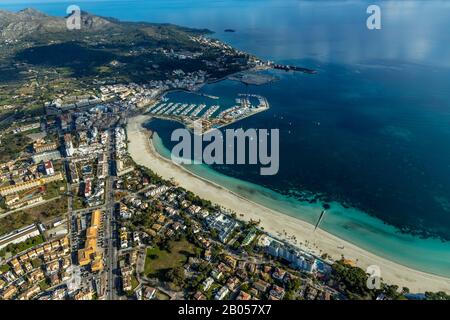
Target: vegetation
(54, 189)
(152, 176)
(170, 255)
(12, 145)
(353, 281)
(176, 276)
(36, 263)
(39, 213)
(39, 65)
(436, 296)
(16, 248)
(196, 200)
(4, 268)
(44, 284)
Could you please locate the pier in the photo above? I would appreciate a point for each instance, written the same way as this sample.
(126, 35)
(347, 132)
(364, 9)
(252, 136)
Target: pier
(294, 68)
(187, 113)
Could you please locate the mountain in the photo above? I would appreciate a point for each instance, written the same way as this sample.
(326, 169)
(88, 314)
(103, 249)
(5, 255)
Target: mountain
(27, 22)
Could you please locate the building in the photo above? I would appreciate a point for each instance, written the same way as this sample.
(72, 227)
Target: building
(22, 186)
(279, 274)
(72, 173)
(41, 146)
(90, 254)
(68, 145)
(51, 155)
(223, 224)
(87, 188)
(207, 283)
(65, 121)
(48, 166)
(19, 235)
(277, 292)
(298, 260)
(8, 293)
(30, 293)
(261, 285)
(83, 295)
(123, 238)
(102, 170)
(199, 296)
(148, 293)
(221, 293)
(243, 296)
(11, 199)
(26, 202)
(27, 127)
(249, 238)
(124, 212)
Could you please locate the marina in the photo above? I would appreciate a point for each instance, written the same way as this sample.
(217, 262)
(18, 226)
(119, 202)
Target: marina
(196, 112)
(189, 109)
(212, 116)
(210, 112)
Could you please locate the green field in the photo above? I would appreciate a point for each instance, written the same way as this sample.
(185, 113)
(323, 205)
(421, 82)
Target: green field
(158, 261)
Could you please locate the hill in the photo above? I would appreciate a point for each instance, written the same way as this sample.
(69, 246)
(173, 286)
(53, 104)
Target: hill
(40, 58)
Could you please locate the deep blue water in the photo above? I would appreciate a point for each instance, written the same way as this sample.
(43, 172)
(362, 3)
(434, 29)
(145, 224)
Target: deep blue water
(347, 134)
(382, 99)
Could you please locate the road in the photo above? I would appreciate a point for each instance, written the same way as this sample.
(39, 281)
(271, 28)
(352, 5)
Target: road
(110, 228)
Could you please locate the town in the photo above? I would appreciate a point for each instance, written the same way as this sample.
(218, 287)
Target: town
(106, 228)
(81, 220)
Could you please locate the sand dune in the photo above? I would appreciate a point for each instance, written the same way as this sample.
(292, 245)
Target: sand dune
(284, 227)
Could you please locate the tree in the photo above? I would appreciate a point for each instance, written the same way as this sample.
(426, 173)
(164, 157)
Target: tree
(353, 279)
(213, 233)
(176, 276)
(436, 296)
(197, 252)
(293, 284)
(165, 245)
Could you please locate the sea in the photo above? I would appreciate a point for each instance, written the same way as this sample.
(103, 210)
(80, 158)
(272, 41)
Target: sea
(367, 137)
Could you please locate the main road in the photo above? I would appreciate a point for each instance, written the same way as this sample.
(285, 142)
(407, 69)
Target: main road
(110, 228)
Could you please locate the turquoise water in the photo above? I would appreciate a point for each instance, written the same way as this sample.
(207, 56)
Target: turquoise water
(353, 225)
(380, 156)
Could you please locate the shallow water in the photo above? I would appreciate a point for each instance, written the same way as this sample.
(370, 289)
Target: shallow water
(371, 130)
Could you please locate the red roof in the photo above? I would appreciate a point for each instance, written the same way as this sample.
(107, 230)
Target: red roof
(48, 165)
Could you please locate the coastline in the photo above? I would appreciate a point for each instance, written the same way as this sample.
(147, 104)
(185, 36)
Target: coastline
(274, 222)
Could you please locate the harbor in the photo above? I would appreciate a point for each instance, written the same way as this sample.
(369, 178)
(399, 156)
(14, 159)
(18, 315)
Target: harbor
(211, 116)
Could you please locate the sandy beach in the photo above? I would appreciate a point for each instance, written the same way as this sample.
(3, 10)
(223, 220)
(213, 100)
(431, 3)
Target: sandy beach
(279, 225)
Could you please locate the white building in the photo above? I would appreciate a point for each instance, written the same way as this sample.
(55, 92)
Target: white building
(207, 283)
(299, 261)
(221, 293)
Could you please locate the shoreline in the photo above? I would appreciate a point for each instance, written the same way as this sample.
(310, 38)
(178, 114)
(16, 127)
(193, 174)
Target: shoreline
(273, 222)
